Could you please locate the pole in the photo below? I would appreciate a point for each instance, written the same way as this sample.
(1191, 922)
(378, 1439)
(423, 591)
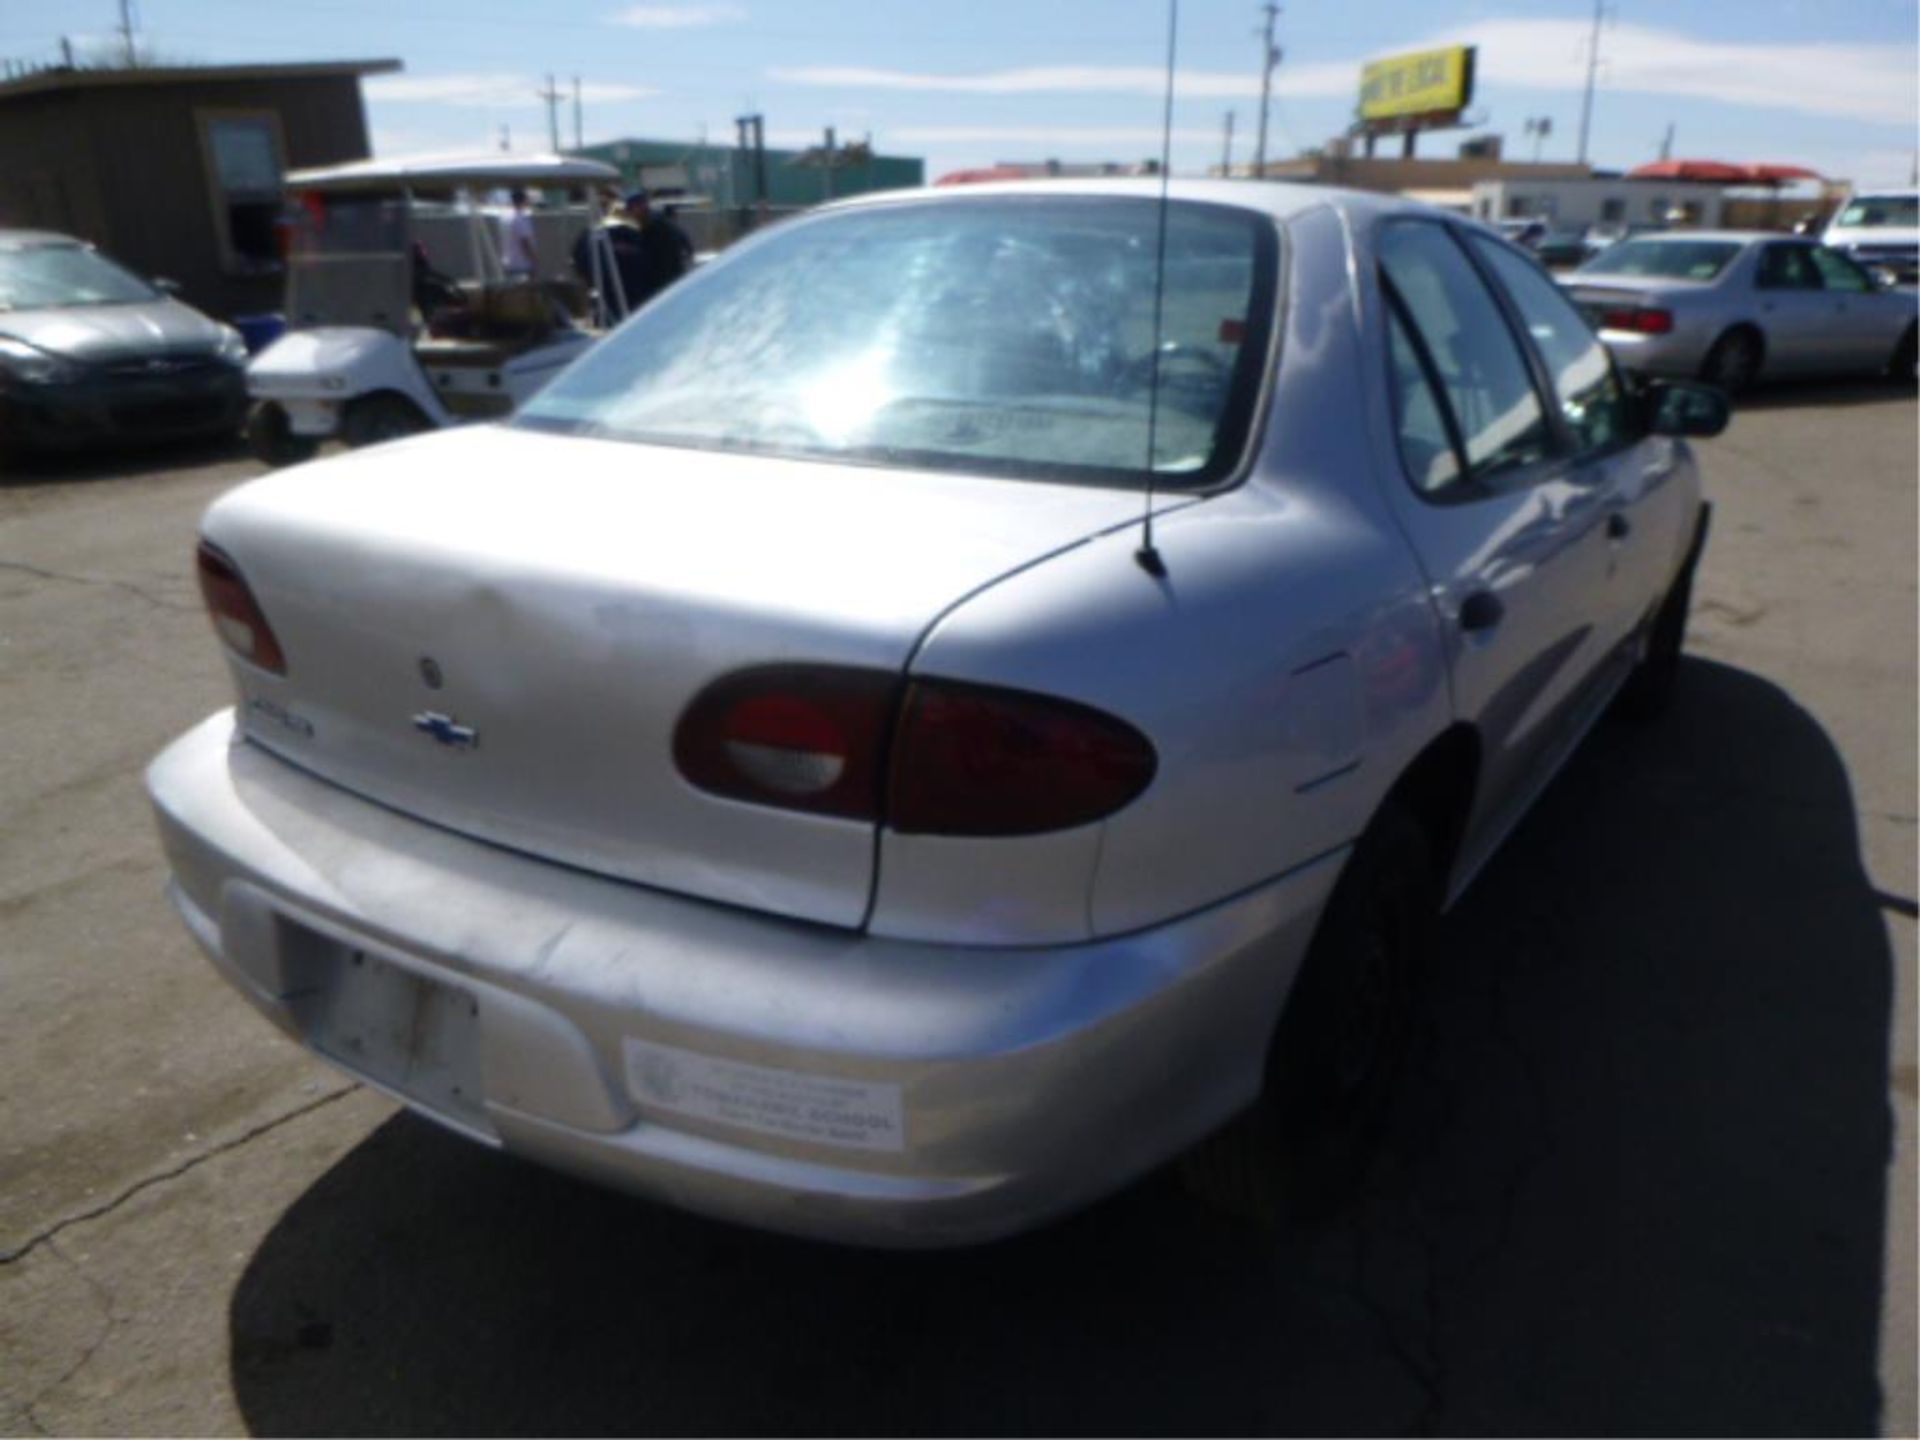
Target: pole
(1666, 143)
(829, 159)
(1226, 149)
(1269, 57)
(126, 34)
(1593, 70)
(760, 168)
(552, 96)
(578, 143)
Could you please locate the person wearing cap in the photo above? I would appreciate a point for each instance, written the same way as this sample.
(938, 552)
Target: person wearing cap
(664, 253)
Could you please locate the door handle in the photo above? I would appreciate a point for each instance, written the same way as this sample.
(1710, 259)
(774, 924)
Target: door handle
(1618, 525)
(1481, 611)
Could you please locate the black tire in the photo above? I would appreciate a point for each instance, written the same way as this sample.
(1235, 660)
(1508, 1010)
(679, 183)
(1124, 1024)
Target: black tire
(270, 437)
(1303, 1150)
(1734, 361)
(1901, 369)
(1648, 693)
(375, 419)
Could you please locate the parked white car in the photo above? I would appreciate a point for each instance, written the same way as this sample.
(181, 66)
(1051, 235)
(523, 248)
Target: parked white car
(1880, 229)
(780, 773)
(1736, 307)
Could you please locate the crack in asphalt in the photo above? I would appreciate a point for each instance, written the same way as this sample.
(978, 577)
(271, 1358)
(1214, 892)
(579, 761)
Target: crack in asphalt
(158, 602)
(145, 1183)
(30, 1409)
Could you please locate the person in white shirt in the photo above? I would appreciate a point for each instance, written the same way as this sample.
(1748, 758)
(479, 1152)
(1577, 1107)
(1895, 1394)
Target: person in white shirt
(522, 260)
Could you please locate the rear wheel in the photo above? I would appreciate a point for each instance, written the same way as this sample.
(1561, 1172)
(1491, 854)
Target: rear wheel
(271, 437)
(1302, 1151)
(1734, 361)
(373, 419)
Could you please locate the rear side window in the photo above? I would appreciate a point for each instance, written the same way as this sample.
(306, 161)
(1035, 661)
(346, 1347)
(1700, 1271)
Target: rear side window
(1589, 393)
(1426, 445)
(1470, 354)
(1786, 267)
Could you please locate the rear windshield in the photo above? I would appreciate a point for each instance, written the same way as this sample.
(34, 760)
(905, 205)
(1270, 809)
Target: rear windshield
(1871, 212)
(1668, 259)
(35, 277)
(1005, 335)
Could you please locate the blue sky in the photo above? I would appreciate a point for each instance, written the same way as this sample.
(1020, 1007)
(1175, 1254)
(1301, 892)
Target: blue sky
(1830, 85)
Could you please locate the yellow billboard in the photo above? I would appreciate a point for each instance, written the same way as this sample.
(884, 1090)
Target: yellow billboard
(1427, 82)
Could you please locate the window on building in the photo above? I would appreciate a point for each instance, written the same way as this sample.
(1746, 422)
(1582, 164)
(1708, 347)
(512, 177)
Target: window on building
(1613, 211)
(244, 172)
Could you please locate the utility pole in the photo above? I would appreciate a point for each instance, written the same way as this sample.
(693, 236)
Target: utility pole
(830, 161)
(1666, 143)
(1226, 150)
(1269, 57)
(506, 138)
(578, 143)
(126, 34)
(1593, 70)
(552, 96)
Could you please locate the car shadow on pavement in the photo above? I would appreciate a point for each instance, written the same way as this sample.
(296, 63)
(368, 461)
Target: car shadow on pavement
(121, 462)
(1825, 394)
(1635, 1186)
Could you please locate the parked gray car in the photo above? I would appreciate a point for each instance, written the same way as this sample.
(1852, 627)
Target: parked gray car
(781, 772)
(90, 353)
(1734, 307)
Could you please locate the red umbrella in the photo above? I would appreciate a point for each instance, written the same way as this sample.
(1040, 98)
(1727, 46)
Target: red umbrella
(1707, 170)
(1780, 174)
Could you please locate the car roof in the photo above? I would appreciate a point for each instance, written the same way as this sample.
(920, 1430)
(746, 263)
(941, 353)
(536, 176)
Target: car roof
(33, 239)
(1281, 199)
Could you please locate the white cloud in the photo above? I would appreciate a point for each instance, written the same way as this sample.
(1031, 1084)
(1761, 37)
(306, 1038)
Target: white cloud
(1872, 83)
(1298, 80)
(492, 90)
(677, 17)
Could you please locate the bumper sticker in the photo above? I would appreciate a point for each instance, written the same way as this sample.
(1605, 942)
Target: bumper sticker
(856, 1114)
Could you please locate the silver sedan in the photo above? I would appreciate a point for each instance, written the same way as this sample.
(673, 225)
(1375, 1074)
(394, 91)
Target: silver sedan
(969, 696)
(1735, 307)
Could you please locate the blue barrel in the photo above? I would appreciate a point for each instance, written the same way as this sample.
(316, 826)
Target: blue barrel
(260, 331)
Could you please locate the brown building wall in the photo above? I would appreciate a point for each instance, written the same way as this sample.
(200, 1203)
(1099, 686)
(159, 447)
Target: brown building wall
(133, 173)
(1386, 173)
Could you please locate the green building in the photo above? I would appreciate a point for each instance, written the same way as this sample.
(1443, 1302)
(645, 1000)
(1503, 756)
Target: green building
(724, 176)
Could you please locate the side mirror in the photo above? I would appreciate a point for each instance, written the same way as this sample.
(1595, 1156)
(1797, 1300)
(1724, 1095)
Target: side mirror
(166, 286)
(1682, 407)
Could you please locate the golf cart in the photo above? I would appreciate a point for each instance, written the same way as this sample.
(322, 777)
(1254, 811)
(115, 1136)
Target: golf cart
(400, 314)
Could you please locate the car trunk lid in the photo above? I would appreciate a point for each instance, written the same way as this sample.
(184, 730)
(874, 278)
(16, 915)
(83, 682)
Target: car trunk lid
(497, 631)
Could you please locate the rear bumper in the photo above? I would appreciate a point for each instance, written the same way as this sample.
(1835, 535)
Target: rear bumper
(124, 409)
(1677, 354)
(726, 1061)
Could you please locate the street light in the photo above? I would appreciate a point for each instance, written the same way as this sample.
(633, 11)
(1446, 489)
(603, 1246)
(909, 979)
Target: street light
(1539, 127)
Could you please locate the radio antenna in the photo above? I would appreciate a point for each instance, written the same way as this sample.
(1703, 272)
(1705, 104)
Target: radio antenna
(1147, 557)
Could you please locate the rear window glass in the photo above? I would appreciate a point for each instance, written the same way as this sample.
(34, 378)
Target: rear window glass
(1009, 336)
(1667, 259)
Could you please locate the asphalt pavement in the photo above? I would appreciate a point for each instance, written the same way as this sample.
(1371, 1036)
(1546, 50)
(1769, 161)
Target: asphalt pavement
(1653, 1171)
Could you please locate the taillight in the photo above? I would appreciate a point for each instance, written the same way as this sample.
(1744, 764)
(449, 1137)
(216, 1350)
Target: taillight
(236, 614)
(933, 757)
(973, 760)
(1639, 320)
(801, 737)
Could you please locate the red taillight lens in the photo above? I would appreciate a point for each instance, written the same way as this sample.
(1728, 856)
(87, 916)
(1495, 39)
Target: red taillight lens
(1639, 321)
(965, 759)
(236, 614)
(802, 737)
(973, 760)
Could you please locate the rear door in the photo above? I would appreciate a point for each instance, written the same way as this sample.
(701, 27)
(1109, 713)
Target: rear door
(1509, 528)
(1794, 309)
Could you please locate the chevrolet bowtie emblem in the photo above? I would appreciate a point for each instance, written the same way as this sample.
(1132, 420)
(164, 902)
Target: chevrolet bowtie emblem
(446, 730)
